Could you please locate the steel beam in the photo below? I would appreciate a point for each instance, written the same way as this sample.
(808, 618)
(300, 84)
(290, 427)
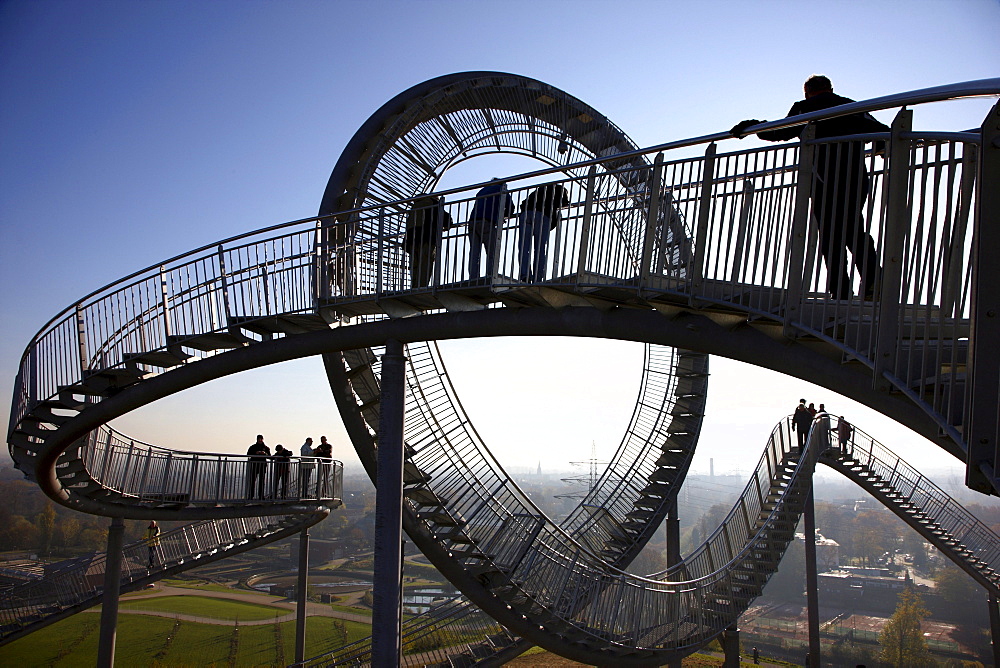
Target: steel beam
(387, 593)
(109, 604)
(982, 422)
(301, 597)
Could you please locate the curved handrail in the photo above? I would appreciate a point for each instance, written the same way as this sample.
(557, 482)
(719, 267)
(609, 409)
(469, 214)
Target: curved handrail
(33, 605)
(909, 486)
(978, 88)
(983, 557)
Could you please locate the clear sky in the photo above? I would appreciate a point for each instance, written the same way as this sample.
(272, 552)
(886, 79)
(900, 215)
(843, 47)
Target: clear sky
(131, 132)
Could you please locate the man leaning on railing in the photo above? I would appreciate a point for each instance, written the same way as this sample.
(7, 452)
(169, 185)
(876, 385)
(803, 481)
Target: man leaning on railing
(840, 186)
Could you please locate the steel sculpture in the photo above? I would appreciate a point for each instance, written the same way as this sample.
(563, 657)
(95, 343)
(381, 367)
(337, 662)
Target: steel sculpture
(688, 252)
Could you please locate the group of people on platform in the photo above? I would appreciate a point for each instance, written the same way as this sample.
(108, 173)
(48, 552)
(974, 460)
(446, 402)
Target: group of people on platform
(540, 215)
(838, 191)
(802, 419)
(261, 459)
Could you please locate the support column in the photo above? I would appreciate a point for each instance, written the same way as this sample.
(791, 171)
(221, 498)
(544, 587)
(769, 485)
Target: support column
(812, 588)
(995, 629)
(301, 596)
(109, 603)
(673, 529)
(389, 511)
(731, 646)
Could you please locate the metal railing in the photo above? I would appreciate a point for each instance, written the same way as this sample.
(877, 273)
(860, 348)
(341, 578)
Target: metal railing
(443, 631)
(80, 585)
(147, 474)
(903, 484)
(741, 206)
(750, 193)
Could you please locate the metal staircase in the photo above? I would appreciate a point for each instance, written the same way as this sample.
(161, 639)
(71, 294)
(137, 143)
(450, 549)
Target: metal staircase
(699, 253)
(33, 605)
(931, 512)
(941, 520)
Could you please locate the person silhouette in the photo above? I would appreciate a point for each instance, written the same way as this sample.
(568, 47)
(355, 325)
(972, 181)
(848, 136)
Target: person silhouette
(425, 224)
(256, 467)
(539, 215)
(801, 422)
(840, 186)
(493, 206)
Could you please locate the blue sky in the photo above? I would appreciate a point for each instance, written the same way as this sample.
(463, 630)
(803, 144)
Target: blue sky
(131, 132)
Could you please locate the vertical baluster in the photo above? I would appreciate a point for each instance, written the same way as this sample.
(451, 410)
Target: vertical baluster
(704, 216)
(588, 216)
(652, 219)
(165, 307)
(896, 232)
(796, 252)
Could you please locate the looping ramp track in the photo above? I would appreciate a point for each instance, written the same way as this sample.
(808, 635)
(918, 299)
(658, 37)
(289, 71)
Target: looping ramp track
(623, 265)
(940, 519)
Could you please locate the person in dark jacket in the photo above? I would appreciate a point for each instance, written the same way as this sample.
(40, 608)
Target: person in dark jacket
(424, 226)
(539, 215)
(801, 422)
(282, 458)
(256, 467)
(839, 189)
(493, 206)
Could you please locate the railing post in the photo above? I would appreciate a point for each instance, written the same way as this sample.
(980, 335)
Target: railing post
(378, 252)
(983, 387)
(951, 287)
(104, 458)
(588, 217)
(81, 339)
(652, 217)
(704, 214)
(386, 611)
(741, 232)
(165, 306)
(897, 229)
(109, 601)
(224, 284)
(796, 253)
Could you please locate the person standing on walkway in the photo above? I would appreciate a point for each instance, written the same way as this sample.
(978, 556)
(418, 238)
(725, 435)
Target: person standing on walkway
(493, 206)
(840, 186)
(801, 422)
(844, 433)
(324, 452)
(256, 467)
(152, 539)
(425, 225)
(281, 458)
(539, 216)
(306, 465)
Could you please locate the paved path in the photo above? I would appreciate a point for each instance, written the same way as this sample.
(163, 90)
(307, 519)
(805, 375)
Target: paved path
(312, 609)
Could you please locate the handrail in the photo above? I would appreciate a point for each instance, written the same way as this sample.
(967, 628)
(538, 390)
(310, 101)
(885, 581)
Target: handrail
(79, 586)
(894, 471)
(977, 88)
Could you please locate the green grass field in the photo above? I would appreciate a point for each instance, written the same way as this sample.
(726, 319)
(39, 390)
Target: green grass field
(147, 641)
(203, 606)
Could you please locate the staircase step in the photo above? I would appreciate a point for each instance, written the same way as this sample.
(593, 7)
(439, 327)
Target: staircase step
(209, 342)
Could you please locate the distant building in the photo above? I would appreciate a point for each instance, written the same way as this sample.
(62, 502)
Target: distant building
(874, 589)
(827, 552)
